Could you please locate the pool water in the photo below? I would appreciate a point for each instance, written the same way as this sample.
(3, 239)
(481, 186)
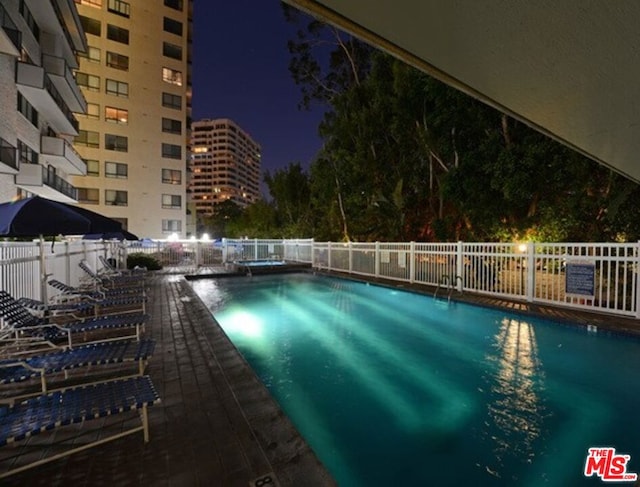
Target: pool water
(395, 388)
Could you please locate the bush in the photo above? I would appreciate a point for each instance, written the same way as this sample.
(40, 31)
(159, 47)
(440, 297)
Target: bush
(138, 259)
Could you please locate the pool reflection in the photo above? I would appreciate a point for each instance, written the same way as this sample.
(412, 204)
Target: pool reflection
(516, 381)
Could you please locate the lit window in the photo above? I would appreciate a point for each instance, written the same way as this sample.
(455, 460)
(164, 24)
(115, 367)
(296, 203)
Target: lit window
(117, 115)
(93, 54)
(172, 76)
(90, 3)
(171, 225)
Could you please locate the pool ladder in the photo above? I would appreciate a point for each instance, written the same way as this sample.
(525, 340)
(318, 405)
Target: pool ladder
(447, 280)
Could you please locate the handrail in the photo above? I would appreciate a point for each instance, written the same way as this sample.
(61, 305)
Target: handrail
(445, 279)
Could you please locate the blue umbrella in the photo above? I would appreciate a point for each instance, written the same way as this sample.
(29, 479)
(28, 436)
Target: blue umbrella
(35, 216)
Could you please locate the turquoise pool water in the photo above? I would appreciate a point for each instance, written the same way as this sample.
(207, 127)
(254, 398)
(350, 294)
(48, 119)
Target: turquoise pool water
(394, 388)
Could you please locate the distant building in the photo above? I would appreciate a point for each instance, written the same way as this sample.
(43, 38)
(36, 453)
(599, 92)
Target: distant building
(224, 165)
(39, 42)
(136, 77)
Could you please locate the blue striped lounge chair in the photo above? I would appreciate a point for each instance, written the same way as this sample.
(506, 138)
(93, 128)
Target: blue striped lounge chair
(20, 369)
(79, 305)
(66, 291)
(21, 322)
(112, 281)
(76, 404)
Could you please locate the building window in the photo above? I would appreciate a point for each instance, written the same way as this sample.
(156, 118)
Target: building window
(171, 176)
(91, 26)
(90, 196)
(172, 51)
(117, 88)
(93, 54)
(88, 81)
(117, 61)
(175, 4)
(116, 142)
(93, 167)
(172, 26)
(28, 18)
(116, 170)
(27, 110)
(117, 115)
(88, 138)
(171, 226)
(172, 76)
(173, 201)
(117, 34)
(114, 197)
(171, 151)
(172, 101)
(171, 126)
(26, 155)
(118, 7)
(93, 111)
(90, 3)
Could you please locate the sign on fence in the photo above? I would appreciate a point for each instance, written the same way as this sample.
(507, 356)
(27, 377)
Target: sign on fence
(580, 278)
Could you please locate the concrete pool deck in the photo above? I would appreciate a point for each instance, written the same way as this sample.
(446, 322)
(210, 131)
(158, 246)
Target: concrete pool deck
(216, 425)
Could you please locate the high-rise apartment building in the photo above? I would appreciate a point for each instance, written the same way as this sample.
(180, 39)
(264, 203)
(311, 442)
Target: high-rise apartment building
(39, 42)
(224, 165)
(136, 78)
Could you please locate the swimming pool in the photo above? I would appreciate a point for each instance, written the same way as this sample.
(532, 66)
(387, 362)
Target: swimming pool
(395, 388)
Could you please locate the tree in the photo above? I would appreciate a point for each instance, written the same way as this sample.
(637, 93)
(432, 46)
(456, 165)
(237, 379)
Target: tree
(291, 194)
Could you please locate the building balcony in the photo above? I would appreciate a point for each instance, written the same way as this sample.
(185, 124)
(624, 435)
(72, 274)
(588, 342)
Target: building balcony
(8, 159)
(38, 180)
(59, 153)
(36, 86)
(62, 78)
(10, 36)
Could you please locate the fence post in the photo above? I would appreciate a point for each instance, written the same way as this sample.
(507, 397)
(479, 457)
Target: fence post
(376, 266)
(459, 266)
(224, 250)
(255, 249)
(329, 255)
(197, 256)
(412, 262)
(531, 272)
(350, 258)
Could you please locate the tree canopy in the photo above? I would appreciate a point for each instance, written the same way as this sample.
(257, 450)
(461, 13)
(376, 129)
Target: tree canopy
(406, 157)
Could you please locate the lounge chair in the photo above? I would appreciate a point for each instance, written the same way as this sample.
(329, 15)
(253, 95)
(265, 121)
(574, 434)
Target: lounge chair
(21, 322)
(21, 369)
(77, 404)
(112, 281)
(82, 305)
(67, 291)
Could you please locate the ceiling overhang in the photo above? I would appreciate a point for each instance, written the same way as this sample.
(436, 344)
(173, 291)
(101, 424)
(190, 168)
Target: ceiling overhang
(570, 69)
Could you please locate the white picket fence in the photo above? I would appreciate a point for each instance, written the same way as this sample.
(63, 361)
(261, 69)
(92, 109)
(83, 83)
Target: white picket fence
(592, 276)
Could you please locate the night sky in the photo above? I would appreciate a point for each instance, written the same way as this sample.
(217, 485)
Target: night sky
(240, 71)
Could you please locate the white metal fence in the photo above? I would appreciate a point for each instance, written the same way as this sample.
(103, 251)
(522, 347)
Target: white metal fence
(591, 276)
